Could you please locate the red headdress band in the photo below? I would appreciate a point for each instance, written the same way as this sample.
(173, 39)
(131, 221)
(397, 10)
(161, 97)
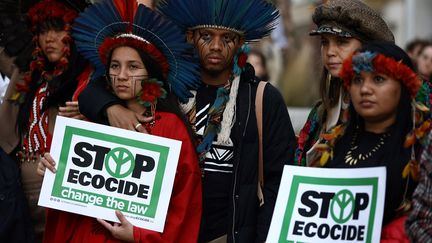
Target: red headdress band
(384, 65)
(138, 43)
(51, 9)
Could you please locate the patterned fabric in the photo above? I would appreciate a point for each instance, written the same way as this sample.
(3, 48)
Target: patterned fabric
(219, 157)
(38, 137)
(308, 135)
(214, 118)
(311, 130)
(425, 95)
(419, 223)
(354, 17)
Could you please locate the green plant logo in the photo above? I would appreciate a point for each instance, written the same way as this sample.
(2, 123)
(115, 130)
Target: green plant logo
(119, 162)
(342, 206)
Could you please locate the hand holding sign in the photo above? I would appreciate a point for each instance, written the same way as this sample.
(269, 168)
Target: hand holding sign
(46, 161)
(122, 231)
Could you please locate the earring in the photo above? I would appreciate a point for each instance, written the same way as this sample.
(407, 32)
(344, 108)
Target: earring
(328, 81)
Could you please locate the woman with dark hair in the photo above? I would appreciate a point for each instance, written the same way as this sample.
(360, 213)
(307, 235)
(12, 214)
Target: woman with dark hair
(382, 85)
(145, 70)
(424, 65)
(257, 59)
(343, 26)
(55, 73)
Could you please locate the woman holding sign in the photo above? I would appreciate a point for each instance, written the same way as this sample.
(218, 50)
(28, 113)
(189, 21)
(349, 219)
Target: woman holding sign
(382, 85)
(141, 55)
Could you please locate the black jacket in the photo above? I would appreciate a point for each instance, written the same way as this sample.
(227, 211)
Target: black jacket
(15, 224)
(250, 222)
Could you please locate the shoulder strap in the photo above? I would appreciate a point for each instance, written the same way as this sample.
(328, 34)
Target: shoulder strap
(259, 118)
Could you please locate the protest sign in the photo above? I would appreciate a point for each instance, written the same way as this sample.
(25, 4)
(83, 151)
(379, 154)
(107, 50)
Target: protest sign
(101, 169)
(329, 205)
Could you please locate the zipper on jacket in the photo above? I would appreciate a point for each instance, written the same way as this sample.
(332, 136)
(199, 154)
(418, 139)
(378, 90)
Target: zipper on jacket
(236, 168)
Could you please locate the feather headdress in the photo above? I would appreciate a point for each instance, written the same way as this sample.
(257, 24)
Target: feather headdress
(252, 19)
(112, 23)
(368, 61)
(18, 18)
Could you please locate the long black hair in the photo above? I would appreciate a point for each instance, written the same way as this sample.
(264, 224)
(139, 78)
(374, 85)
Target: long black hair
(394, 155)
(61, 88)
(170, 103)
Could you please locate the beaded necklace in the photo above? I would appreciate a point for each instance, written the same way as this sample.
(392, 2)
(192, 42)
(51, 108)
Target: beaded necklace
(352, 159)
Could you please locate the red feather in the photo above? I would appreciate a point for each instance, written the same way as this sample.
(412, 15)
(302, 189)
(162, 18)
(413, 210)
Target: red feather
(127, 10)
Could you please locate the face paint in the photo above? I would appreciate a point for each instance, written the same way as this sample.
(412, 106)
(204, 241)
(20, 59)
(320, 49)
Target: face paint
(216, 48)
(126, 71)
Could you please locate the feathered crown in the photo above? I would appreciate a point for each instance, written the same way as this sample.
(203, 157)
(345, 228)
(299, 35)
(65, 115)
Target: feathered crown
(51, 9)
(252, 19)
(112, 23)
(369, 61)
(19, 19)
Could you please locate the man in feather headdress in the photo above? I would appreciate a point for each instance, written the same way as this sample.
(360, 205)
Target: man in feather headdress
(224, 116)
(222, 112)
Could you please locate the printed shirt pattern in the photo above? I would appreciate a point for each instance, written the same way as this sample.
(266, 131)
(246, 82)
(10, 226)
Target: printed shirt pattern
(419, 222)
(219, 158)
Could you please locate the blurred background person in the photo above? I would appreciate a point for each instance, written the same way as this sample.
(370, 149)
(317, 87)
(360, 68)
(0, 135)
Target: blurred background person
(424, 62)
(413, 49)
(257, 59)
(424, 69)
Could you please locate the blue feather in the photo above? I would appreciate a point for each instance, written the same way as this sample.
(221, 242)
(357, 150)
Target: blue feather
(363, 62)
(103, 20)
(256, 18)
(206, 142)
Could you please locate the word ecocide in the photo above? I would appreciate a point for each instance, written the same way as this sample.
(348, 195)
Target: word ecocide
(344, 207)
(118, 162)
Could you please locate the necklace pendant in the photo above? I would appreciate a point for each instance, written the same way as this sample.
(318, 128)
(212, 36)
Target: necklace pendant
(354, 162)
(348, 159)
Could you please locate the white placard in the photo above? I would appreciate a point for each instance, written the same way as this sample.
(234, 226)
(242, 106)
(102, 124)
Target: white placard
(101, 169)
(329, 205)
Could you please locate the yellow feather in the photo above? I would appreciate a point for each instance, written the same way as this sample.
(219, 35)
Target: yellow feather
(406, 170)
(324, 158)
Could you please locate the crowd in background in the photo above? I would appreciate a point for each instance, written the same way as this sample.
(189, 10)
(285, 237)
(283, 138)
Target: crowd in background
(372, 110)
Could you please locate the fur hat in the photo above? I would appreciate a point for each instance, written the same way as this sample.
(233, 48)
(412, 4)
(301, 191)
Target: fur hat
(350, 18)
